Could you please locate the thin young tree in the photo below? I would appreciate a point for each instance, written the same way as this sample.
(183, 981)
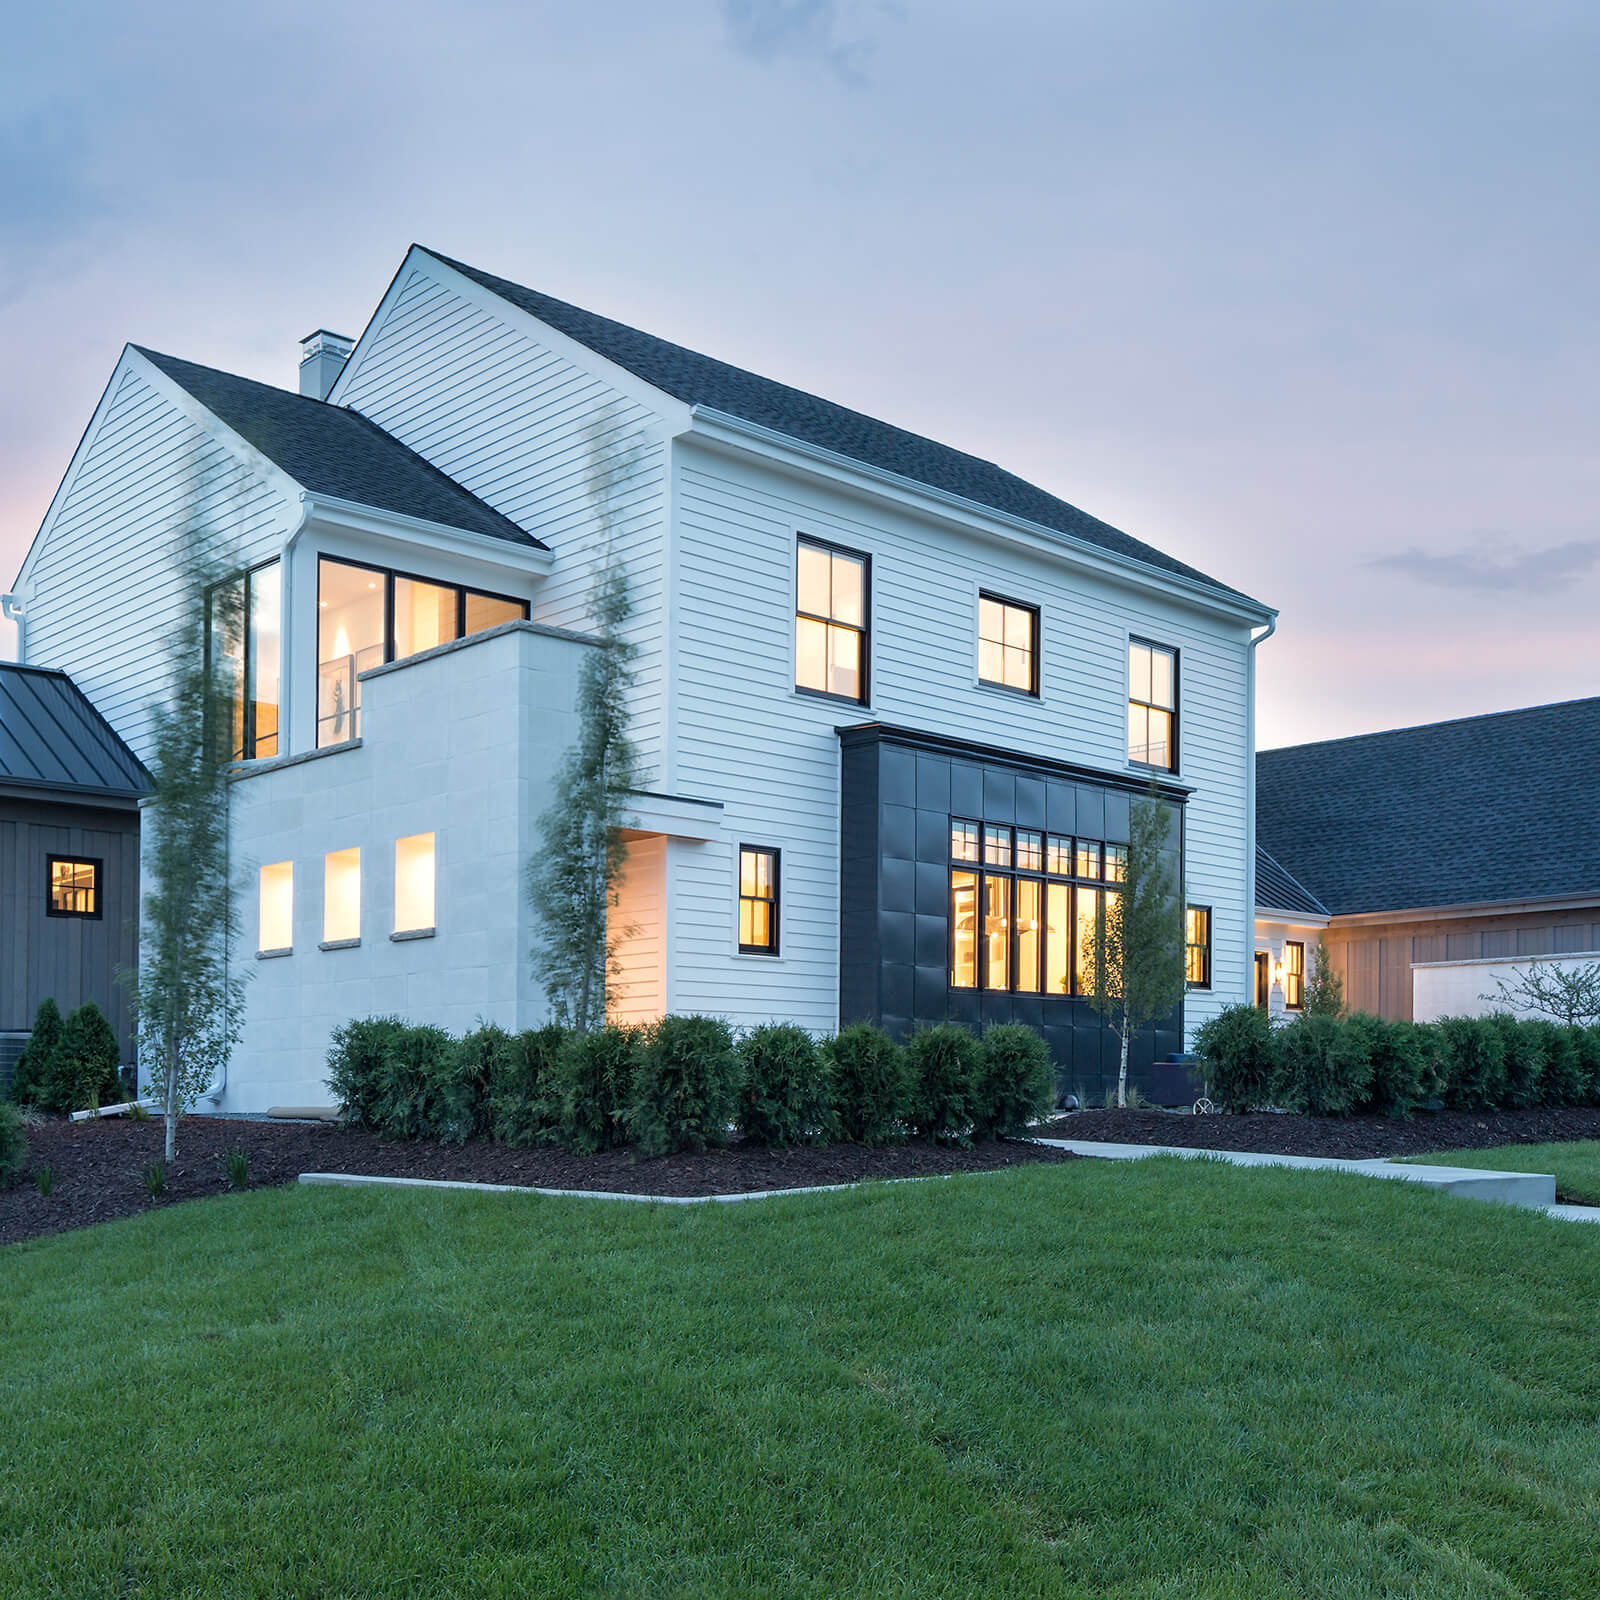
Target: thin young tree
(573, 882)
(1565, 994)
(1324, 986)
(188, 997)
(1134, 961)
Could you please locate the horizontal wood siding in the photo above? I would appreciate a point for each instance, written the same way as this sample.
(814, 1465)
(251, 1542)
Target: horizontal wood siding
(642, 913)
(517, 425)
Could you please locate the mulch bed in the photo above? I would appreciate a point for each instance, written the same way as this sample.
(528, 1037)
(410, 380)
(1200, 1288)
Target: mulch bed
(1349, 1138)
(99, 1166)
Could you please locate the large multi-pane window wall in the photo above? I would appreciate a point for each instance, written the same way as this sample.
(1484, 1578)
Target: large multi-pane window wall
(1024, 907)
(830, 621)
(369, 615)
(244, 633)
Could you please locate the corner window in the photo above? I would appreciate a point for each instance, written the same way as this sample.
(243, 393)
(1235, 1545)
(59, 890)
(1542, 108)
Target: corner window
(275, 925)
(244, 633)
(1008, 644)
(341, 897)
(1294, 974)
(72, 886)
(369, 615)
(1152, 706)
(830, 621)
(758, 901)
(1197, 947)
(413, 883)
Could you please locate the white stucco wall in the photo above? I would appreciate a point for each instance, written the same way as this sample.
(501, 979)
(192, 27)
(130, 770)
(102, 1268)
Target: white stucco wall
(1457, 988)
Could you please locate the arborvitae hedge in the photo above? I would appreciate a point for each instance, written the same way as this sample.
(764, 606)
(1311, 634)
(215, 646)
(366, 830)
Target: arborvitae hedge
(786, 1088)
(871, 1084)
(13, 1145)
(685, 1087)
(1016, 1080)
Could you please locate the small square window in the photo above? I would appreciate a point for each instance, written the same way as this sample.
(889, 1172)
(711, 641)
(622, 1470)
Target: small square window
(1058, 855)
(73, 886)
(758, 901)
(1008, 643)
(1088, 862)
(997, 847)
(963, 841)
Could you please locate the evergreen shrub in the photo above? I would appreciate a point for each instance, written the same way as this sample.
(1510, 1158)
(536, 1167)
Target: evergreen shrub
(1016, 1080)
(871, 1084)
(1322, 1065)
(13, 1145)
(592, 1081)
(1522, 1056)
(1471, 1062)
(785, 1094)
(1564, 1081)
(1401, 1054)
(524, 1090)
(416, 1096)
(685, 1091)
(34, 1064)
(945, 1066)
(82, 1072)
(1235, 1050)
(356, 1052)
(463, 1086)
(1586, 1047)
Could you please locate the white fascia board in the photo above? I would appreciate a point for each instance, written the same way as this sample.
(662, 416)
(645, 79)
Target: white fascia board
(673, 412)
(1470, 908)
(719, 430)
(673, 815)
(352, 516)
(1298, 919)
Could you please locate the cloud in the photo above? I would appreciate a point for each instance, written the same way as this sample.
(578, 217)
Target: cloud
(770, 31)
(1493, 564)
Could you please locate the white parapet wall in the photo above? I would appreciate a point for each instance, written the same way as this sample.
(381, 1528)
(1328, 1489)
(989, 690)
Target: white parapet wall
(1471, 988)
(460, 743)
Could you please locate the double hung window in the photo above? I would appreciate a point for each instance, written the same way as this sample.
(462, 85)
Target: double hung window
(1294, 974)
(758, 901)
(1152, 706)
(1197, 947)
(830, 621)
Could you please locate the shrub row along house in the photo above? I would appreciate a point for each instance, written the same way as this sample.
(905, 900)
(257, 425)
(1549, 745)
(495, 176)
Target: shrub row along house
(892, 703)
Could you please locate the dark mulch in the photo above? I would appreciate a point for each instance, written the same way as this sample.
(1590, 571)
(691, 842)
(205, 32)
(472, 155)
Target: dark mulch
(99, 1166)
(1352, 1138)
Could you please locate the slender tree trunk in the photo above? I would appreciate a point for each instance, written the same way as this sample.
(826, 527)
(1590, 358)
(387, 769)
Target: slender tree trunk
(171, 1107)
(1122, 1071)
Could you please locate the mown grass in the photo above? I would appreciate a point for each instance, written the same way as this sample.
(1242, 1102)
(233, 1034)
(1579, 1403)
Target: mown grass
(1576, 1165)
(1158, 1379)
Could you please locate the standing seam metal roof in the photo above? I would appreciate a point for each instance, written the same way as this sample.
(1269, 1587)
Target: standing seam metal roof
(51, 737)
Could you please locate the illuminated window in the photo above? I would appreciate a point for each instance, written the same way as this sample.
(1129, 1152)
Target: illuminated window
(1058, 939)
(413, 883)
(275, 928)
(1030, 850)
(1087, 909)
(758, 901)
(1116, 863)
(1008, 644)
(1197, 947)
(1294, 974)
(964, 841)
(997, 847)
(1152, 706)
(1030, 934)
(480, 611)
(996, 932)
(73, 886)
(964, 930)
(341, 896)
(1088, 860)
(244, 630)
(424, 616)
(1058, 855)
(830, 623)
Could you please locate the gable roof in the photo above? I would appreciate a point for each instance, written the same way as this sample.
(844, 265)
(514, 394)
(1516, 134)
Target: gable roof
(51, 737)
(700, 380)
(1278, 890)
(335, 451)
(1481, 809)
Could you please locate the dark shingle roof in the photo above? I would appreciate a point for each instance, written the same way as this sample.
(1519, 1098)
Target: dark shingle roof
(1490, 808)
(51, 737)
(700, 380)
(1277, 890)
(335, 451)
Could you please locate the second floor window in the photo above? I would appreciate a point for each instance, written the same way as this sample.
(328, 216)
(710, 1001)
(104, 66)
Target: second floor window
(1008, 644)
(1152, 705)
(244, 631)
(1294, 974)
(830, 621)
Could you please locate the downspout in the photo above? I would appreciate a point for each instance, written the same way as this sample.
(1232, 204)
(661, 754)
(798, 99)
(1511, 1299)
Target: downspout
(15, 609)
(218, 1086)
(1250, 821)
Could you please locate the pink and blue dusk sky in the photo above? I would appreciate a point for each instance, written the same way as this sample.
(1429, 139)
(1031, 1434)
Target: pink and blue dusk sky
(1302, 294)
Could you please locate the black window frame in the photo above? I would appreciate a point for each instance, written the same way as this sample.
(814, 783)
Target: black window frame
(1204, 947)
(1034, 636)
(1149, 705)
(865, 630)
(773, 901)
(248, 738)
(1288, 945)
(97, 864)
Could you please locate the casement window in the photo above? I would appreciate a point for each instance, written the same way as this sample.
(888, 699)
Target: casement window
(758, 901)
(275, 921)
(72, 886)
(1024, 908)
(831, 621)
(369, 615)
(1152, 705)
(1008, 644)
(244, 642)
(341, 897)
(1294, 974)
(414, 884)
(1197, 946)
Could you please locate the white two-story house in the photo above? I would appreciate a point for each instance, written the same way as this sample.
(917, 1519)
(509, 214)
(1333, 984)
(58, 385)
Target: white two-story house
(892, 703)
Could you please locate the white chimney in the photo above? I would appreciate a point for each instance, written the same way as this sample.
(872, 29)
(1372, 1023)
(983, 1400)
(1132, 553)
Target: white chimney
(322, 359)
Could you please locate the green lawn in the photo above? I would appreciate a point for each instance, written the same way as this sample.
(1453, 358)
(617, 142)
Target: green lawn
(1159, 1379)
(1576, 1165)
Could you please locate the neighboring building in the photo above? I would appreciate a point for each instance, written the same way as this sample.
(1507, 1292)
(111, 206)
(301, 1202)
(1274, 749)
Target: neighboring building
(69, 857)
(1440, 858)
(893, 703)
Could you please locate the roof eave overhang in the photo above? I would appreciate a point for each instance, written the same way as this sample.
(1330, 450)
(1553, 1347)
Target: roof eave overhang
(1468, 908)
(1303, 919)
(720, 429)
(13, 788)
(351, 515)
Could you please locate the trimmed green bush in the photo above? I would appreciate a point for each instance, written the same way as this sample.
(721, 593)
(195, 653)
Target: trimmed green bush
(1522, 1060)
(462, 1087)
(1016, 1080)
(416, 1095)
(1564, 1081)
(685, 1087)
(871, 1084)
(1323, 1066)
(945, 1066)
(1401, 1054)
(1586, 1046)
(785, 1094)
(356, 1053)
(33, 1067)
(13, 1145)
(1472, 1063)
(82, 1072)
(1236, 1057)
(524, 1091)
(592, 1082)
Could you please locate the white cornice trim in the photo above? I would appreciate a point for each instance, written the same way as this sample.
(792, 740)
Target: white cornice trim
(351, 515)
(1471, 908)
(1299, 919)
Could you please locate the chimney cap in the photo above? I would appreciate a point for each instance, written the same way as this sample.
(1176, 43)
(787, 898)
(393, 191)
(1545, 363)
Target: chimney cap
(325, 340)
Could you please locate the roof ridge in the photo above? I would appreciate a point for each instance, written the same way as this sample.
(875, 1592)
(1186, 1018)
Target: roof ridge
(1423, 727)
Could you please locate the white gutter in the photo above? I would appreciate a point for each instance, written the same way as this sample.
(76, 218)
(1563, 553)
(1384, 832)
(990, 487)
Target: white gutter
(1250, 813)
